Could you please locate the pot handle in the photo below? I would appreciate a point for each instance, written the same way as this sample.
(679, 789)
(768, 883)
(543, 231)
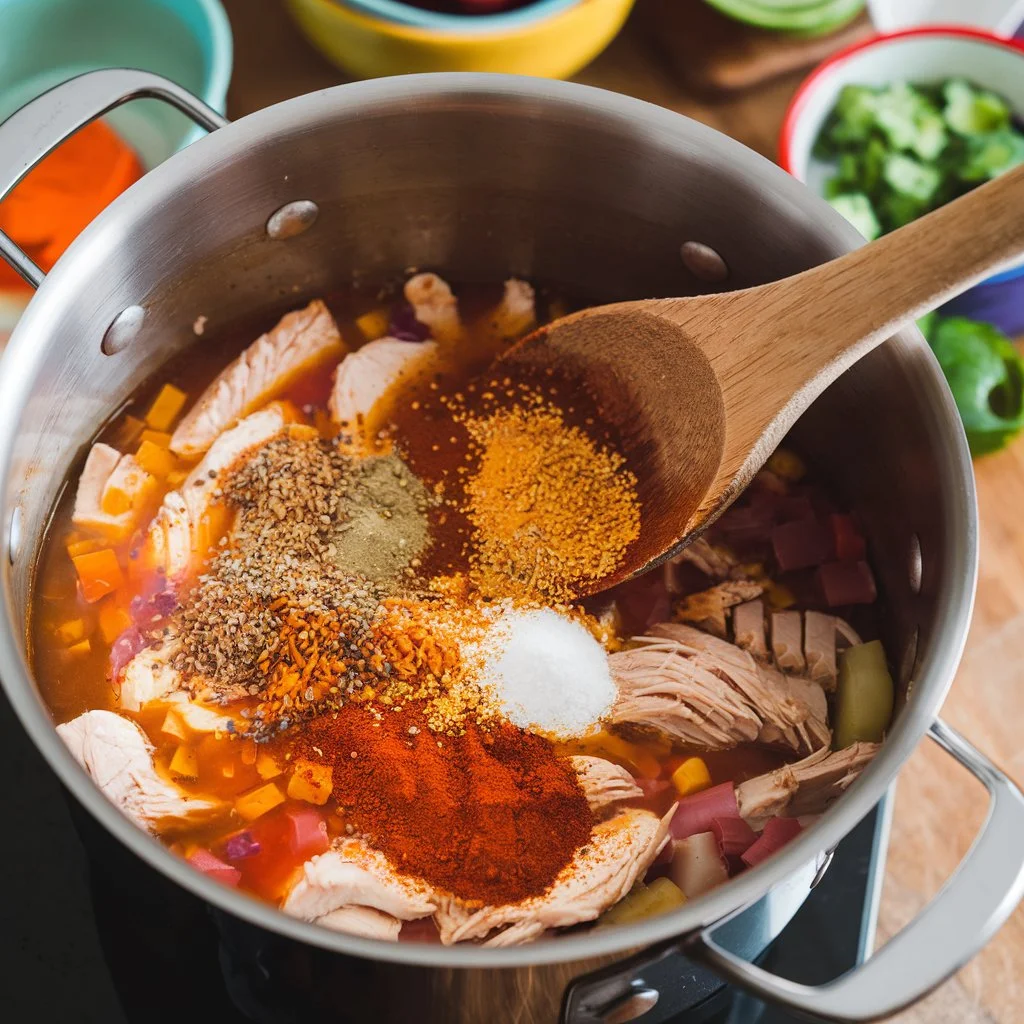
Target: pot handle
(40, 126)
(970, 908)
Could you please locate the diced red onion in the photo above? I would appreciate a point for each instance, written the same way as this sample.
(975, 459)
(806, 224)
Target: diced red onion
(734, 835)
(146, 611)
(697, 865)
(652, 787)
(307, 832)
(422, 930)
(203, 860)
(241, 846)
(404, 326)
(777, 832)
(696, 813)
(801, 544)
(794, 507)
(845, 583)
(123, 649)
(847, 539)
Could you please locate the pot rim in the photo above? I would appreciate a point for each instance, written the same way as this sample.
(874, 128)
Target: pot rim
(24, 358)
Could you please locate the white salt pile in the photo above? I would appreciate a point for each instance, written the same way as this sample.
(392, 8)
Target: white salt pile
(549, 674)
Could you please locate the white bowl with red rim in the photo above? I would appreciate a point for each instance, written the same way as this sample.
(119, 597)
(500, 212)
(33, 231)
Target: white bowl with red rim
(920, 55)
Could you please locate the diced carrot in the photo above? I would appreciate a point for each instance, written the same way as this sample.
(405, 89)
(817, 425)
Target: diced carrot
(174, 725)
(84, 547)
(98, 573)
(185, 763)
(249, 752)
(114, 619)
(227, 770)
(691, 776)
(311, 782)
(165, 408)
(373, 325)
(159, 437)
(257, 802)
(267, 766)
(127, 432)
(81, 649)
(116, 501)
(71, 632)
(176, 478)
(155, 460)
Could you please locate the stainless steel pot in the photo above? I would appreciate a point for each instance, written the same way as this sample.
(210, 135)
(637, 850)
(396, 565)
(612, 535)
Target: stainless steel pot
(482, 177)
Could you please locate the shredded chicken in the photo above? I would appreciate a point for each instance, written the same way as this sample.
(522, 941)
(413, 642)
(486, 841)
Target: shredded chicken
(805, 787)
(300, 340)
(435, 306)
(516, 313)
(604, 783)
(708, 607)
(600, 874)
(364, 922)
(713, 561)
(119, 758)
(149, 676)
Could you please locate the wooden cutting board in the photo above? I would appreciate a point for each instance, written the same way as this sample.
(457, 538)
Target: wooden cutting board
(711, 53)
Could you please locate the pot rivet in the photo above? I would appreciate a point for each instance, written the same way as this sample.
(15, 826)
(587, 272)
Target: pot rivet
(639, 1002)
(914, 564)
(123, 330)
(14, 535)
(704, 262)
(292, 219)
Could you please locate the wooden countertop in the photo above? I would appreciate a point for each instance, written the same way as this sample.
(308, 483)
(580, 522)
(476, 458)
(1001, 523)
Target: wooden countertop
(938, 806)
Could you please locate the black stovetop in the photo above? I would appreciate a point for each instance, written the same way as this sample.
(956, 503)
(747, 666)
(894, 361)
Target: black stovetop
(151, 952)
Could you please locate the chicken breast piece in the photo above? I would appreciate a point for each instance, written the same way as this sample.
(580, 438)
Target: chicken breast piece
(364, 922)
(118, 757)
(300, 340)
(809, 786)
(106, 469)
(434, 306)
(707, 608)
(793, 710)
(619, 852)
(365, 375)
(604, 783)
(175, 534)
(353, 875)
(149, 676)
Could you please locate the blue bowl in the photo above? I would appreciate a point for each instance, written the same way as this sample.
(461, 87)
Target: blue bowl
(997, 300)
(45, 42)
(406, 14)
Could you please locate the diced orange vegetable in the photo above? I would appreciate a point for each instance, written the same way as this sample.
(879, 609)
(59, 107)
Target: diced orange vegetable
(311, 782)
(83, 547)
(166, 407)
(227, 770)
(174, 725)
(156, 461)
(267, 766)
(176, 478)
(185, 763)
(98, 573)
(81, 649)
(249, 752)
(127, 432)
(114, 619)
(116, 501)
(691, 776)
(780, 597)
(71, 632)
(373, 325)
(786, 464)
(257, 802)
(159, 437)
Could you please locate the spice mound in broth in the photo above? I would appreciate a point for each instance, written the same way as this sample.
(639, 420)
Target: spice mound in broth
(314, 625)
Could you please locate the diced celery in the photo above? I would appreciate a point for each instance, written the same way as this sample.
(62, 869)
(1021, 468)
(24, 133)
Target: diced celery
(71, 632)
(257, 802)
(865, 695)
(266, 766)
(173, 725)
(645, 901)
(185, 763)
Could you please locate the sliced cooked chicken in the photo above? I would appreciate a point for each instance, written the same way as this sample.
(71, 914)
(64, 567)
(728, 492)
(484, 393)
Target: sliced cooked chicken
(707, 608)
(667, 685)
(788, 641)
(176, 533)
(619, 852)
(353, 875)
(365, 375)
(748, 628)
(300, 340)
(117, 755)
(364, 922)
(106, 468)
(792, 709)
(820, 648)
(805, 787)
(434, 306)
(149, 676)
(516, 313)
(604, 783)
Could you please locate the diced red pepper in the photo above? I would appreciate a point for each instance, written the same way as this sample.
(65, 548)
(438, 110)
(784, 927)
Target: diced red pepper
(307, 832)
(844, 583)
(849, 543)
(801, 544)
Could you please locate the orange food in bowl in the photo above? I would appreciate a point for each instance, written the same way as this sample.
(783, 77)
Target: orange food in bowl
(63, 193)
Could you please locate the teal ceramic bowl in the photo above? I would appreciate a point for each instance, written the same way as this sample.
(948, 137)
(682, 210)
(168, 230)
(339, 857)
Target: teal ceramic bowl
(45, 42)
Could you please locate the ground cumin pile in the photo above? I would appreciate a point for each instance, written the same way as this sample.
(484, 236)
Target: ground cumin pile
(551, 509)
(491, 816)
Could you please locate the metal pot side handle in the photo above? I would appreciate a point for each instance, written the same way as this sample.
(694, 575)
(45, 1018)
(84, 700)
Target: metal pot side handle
(970, 908)
(44, 123)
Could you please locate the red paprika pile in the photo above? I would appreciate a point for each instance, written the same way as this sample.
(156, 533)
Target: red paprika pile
(490, 816)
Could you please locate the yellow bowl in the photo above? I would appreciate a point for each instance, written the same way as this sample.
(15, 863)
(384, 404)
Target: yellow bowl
(554, 47)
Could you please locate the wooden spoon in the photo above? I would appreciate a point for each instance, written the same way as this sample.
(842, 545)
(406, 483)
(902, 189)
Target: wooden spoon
(704, 388)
